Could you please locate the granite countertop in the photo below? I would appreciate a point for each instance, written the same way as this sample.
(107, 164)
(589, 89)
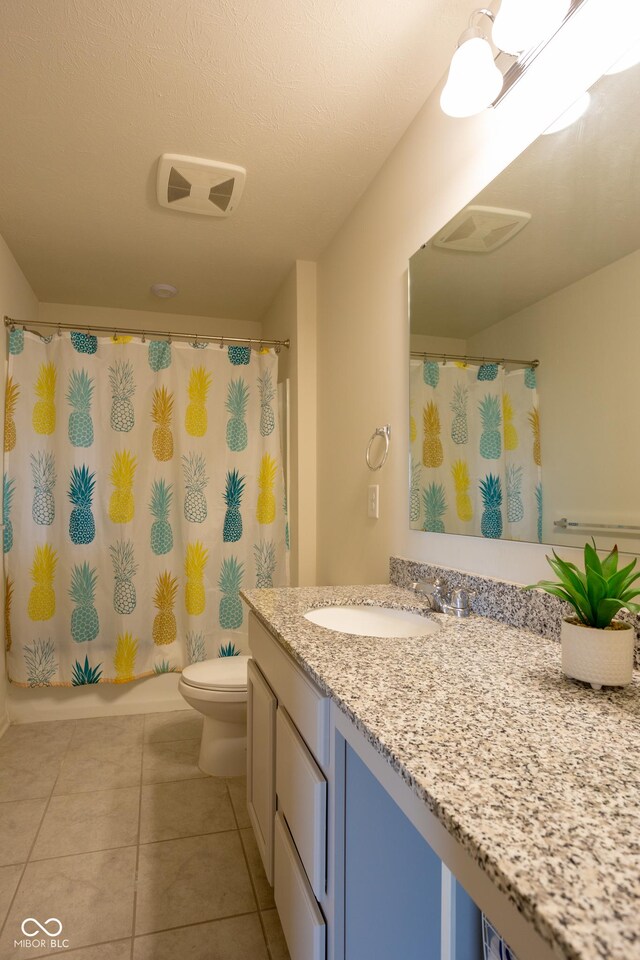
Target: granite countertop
(536, 776)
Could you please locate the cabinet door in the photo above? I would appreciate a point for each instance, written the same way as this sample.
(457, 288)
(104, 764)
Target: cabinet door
(261, 763)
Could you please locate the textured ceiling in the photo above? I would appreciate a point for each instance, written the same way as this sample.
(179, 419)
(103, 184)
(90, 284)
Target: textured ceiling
(581, 187)
(309, 95)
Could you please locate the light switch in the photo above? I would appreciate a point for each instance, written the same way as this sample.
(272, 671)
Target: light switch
(373, 501)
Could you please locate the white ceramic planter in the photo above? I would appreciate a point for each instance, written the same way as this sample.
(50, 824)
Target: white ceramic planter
(603, 658)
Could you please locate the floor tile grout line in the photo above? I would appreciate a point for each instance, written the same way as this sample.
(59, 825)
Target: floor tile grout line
(89, 946)
(135, 875)
(36, 835)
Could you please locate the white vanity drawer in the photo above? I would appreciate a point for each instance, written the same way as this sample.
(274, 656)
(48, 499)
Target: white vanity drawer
(302, 799)
(302, 921)
(261, 765)
(304, 703)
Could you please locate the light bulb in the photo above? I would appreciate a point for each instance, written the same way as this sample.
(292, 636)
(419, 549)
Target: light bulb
(522, 24)
(474, 81)
(570, 116)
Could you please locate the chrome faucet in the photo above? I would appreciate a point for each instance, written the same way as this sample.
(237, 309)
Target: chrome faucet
(455, 603)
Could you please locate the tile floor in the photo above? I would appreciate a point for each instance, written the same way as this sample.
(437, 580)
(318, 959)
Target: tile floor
(109, 825)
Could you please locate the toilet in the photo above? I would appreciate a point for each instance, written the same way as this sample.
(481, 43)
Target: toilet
(218, 689)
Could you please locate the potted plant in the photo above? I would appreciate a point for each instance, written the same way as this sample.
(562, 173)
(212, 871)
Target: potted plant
(596, 648)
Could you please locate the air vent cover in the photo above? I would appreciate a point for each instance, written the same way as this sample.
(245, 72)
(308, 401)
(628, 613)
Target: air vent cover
(481, 229)
(194, 185)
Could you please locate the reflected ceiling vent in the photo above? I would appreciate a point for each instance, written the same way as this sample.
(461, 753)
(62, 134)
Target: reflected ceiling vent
(481, 229)
(194, 185)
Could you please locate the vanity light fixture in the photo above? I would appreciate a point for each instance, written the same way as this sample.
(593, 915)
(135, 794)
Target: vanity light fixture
(574, 112)
(474, 81)
(522, 24)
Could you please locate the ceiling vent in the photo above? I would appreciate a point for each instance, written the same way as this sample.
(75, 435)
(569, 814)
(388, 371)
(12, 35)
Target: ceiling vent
(194, 185)
(481, 229)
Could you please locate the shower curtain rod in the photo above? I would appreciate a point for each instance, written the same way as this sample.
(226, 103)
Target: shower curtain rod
(155, 334)
(467, 359)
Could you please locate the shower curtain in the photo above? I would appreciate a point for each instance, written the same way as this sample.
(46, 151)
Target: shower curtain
(475, 450)
(143, 488)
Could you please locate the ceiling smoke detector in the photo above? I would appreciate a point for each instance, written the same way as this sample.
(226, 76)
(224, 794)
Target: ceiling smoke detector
(195, 185)
(481, 229)
(164, 290)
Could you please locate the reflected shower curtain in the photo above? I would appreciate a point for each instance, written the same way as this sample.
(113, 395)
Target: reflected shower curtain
(143, 488)
(475, 450)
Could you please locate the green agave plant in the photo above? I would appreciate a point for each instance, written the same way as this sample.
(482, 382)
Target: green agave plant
(599, 592)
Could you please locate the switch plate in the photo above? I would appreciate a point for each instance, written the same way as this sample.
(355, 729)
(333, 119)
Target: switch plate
(373, 501)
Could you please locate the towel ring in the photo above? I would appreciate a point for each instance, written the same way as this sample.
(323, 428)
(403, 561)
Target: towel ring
(379, 432)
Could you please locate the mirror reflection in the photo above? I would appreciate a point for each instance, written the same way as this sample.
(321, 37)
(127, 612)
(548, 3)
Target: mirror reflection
(525, 343)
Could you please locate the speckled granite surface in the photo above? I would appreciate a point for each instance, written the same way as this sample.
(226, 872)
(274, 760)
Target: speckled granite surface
(506, 602)
(536, 776)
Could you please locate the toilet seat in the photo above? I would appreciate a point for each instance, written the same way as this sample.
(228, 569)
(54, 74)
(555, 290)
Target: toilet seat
(226, 676)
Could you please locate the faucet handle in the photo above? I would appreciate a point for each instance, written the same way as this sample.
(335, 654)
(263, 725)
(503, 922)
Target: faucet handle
(460, 598)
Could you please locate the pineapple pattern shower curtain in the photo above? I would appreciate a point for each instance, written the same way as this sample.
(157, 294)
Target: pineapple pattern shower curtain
(475, 450)
(142, 489)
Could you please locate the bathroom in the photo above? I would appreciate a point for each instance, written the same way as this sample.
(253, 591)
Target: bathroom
(338, 293)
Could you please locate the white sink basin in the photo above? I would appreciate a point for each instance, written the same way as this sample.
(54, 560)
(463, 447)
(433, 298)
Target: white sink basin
(372, 621)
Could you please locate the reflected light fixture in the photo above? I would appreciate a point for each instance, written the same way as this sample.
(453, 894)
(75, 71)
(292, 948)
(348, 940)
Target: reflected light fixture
(575, 111)
(474, 81)
(522, 24)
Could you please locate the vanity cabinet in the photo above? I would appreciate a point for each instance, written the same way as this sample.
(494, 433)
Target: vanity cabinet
(287, 758)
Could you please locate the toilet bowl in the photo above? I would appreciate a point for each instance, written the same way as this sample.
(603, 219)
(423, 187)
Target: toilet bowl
(218, 689)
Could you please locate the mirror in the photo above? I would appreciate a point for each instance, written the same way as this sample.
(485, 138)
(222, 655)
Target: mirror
(546, 451)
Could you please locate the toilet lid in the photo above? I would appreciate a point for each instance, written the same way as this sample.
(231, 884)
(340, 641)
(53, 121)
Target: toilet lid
(222, 673)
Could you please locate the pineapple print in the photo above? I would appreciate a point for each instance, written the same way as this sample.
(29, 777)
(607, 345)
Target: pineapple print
(196, 651)
(413, 430)
(431, 373)
(10, 401)
(195, 562)
(40, 661)
(267, 393)
(124, 570)
(195, 420)
(239, 355)
(530, 378)
(43, 469)
(491, 523)
(8, 600)
(85, 625)
(195, 479)
(159, 355)
(285, 510)
(121, 504)
(432, 454)
(124, 659)
(414, 508)
(435, 507)
(230, 581)
(459, 425)
(84, 342)
(8, 489)
(42, 599)
(266, 507)
(534, 421)
(539, 509)
(16, 342)
(265, 558)
(79, 394)
(462, 482)
(160, 505)
(237, 400)
(161, 414)
(122, 389)
(513, 483)
(487, 371)
(232, 529)
(165, 629)
(490, 439)
(510, 432)
(122, 338)
(82, 527)
(44, 410)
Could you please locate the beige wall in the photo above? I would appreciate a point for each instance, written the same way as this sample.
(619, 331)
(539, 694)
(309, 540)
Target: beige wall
(583, 334)
(292, 315)
(17, 299)
(363, 338)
